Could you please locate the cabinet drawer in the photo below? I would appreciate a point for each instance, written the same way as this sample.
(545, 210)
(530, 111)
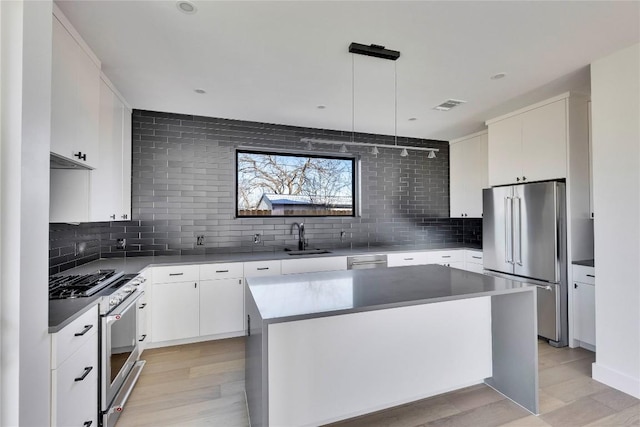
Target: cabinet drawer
(311, 265)
(407, 258)
(261, 268)
(75, 387)
(176, 273)
(439, 257)
(65, 342)
(584, 274)
(474, 257)
(230, 270)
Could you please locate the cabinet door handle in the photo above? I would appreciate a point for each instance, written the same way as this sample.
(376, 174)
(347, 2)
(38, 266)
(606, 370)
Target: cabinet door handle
(81, 156)
(144, 336)
(524, 178)
(262, 268)
(222, 271)
(591, 275)
(125, 216)
(476, 257)
(575, 286)
(446, 256)
(248, 325)
(518, 179)
(87, 424)
(143, 305)
(84, 331)
(84, 374)
(408, 259)
(195, 285)
(176, 274)
(112, 217)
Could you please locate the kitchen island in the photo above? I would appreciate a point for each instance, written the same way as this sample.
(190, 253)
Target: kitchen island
(328, 346)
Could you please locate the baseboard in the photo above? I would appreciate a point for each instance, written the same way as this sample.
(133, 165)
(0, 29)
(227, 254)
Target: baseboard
(615, 379)
(193, 340)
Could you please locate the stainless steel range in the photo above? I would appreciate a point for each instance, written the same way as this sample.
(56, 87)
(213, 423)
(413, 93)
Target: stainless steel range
(119, 349)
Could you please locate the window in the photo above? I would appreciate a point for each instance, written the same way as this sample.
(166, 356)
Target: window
(277, 184)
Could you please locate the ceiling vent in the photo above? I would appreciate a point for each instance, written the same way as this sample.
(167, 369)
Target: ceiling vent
(448, 104)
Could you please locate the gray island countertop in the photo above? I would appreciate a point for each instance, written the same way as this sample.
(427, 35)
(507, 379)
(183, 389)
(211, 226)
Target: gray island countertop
(309, 295)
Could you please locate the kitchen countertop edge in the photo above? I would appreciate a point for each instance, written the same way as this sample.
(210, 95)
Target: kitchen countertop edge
(63, 312)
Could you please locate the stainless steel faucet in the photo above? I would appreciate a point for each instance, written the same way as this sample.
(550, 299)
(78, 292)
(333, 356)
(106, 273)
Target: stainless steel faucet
(302, 244)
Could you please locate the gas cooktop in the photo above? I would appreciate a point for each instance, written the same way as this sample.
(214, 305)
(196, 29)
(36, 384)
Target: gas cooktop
(80, 286)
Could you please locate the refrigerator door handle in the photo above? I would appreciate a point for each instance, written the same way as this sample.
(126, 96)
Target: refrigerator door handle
(508, 237)
(517, 231)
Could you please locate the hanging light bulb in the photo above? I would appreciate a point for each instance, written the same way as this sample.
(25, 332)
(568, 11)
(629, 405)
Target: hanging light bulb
(431, 155)
(375, 151)
(404, 153)
(343, 148)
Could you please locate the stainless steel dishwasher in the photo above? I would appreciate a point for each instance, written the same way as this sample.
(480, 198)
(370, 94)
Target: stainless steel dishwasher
(361, 262)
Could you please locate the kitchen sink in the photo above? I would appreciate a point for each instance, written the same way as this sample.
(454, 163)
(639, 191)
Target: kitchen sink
(308, 252)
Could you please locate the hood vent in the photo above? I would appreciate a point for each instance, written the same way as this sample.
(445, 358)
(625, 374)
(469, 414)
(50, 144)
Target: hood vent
(448, 104)
(59, 162)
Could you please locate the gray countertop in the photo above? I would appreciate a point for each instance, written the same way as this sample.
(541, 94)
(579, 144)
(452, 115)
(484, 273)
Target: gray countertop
(136, 264)
(586, 263)
(62, 312)
(310, 295)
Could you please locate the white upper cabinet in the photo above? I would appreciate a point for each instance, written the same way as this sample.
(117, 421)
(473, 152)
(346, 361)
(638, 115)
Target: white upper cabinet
(529, 145)
(111, 180)
(544, 142)
(468, 175)
(75, 94)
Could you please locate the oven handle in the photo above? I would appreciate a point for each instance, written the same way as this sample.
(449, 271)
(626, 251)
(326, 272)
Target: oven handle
(133, 299)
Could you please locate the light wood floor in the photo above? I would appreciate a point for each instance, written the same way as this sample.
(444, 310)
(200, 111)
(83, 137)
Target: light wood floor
(203, 385)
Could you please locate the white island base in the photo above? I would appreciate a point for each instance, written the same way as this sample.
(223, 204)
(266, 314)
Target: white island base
(313, 371)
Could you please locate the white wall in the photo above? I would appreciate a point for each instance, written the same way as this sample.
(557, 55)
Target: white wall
(615, 94)
(25, 107)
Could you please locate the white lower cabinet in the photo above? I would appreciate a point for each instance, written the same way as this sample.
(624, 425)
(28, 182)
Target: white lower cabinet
(222, 307)
(453, 258)
(262, 268)
(402, 259)
(473, 261)
(312, 265)
(74, 373)
(584, 306)
(143, 309)
(175, 312)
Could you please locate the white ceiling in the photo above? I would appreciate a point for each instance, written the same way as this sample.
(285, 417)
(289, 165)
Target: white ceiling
(276, 61)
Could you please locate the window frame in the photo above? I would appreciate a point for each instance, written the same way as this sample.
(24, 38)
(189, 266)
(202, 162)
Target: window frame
(355, 178)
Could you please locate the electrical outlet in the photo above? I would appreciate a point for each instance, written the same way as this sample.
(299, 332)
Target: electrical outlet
(257, 238)
(121, 243)
(200, 240)
(80, 248)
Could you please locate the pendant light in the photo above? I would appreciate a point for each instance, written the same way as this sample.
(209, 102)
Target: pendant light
(404, 152)
(378, 52)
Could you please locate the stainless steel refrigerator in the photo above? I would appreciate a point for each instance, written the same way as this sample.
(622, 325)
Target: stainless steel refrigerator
(524, 238)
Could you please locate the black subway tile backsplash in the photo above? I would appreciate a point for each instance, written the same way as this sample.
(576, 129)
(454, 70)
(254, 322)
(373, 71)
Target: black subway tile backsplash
(182, 186)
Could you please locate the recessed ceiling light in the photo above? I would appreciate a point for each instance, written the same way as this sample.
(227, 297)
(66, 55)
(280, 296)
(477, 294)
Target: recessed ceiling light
(412, 119)
(186, 7)
(321, 107)
(200, 91)
(498, 76)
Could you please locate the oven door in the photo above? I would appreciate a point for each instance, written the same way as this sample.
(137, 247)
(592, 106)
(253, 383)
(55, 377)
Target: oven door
(119, 347)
